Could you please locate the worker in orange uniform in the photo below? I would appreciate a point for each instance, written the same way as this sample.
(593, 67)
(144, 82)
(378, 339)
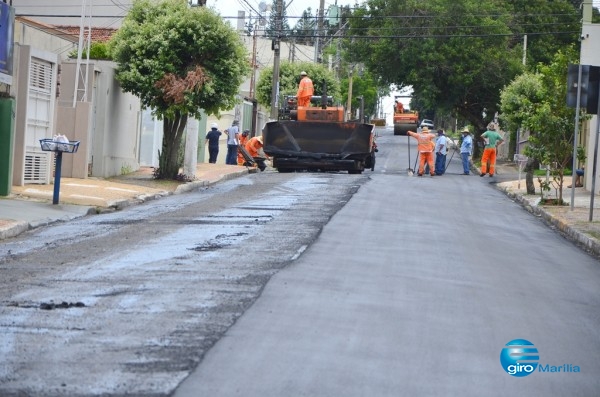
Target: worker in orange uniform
(243, 139)
(305, 90)
(425, 146)
(253, 147)
(399, 107)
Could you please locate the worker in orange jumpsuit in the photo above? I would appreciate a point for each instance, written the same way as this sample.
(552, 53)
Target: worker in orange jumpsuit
(243, 139)
(425, 146)
(253, 147)
(305, 90)
(399, 107)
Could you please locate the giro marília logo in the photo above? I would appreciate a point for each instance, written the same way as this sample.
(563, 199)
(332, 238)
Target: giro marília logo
(519, 357)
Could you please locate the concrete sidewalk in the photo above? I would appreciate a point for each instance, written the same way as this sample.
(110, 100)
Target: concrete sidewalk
(30, 206)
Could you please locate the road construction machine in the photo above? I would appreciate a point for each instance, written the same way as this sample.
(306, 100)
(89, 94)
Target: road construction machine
(317, 138)
(404, 120)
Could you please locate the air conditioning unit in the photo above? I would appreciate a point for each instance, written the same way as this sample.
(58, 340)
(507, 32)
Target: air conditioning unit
(38, 167)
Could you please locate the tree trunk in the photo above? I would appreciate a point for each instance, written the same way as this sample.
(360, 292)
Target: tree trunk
(532, 164)
(170, 158)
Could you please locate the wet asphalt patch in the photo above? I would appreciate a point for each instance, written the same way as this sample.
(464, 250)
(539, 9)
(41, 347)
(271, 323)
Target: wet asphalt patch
(46, 305)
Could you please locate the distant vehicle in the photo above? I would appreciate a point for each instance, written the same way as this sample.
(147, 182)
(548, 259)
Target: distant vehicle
(427, 123)
(404, 120)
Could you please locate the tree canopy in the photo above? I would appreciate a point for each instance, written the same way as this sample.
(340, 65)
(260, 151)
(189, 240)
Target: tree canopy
(169, 38)
(456, 54)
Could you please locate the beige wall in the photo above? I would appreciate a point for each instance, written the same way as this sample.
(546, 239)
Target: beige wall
(28, 32)
(110, 137)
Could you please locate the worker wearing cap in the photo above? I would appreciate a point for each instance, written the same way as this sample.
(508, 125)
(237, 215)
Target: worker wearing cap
(305, 90)
(212, 140)
(253, 147)
(492, 140)
(425, 146)
(466, 150)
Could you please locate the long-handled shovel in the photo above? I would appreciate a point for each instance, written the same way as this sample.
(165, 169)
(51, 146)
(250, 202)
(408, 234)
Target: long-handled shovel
(416, 159)
(448, 163)
(410, 171)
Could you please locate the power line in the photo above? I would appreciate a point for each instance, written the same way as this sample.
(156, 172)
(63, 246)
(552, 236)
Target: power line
(434, 36)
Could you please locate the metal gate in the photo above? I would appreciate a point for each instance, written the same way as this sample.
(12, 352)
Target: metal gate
(38, 164)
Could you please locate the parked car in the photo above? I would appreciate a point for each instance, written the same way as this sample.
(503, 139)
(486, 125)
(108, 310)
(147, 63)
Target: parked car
(427, 123)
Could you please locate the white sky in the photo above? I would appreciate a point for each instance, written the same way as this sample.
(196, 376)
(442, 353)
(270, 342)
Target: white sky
(229, 8)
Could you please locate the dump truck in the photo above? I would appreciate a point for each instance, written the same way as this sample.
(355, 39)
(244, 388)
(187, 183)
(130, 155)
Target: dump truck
(316, 138)
(404, 120)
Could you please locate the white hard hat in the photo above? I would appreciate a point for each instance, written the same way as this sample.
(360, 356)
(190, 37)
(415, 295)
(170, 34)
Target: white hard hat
(303, 73)
(214, 125)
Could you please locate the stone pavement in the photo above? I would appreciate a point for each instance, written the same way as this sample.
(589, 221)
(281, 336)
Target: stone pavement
(30, 206)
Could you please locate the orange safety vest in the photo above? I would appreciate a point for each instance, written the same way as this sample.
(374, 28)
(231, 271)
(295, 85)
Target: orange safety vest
(252, 147)
(424, 141)
(306, 88)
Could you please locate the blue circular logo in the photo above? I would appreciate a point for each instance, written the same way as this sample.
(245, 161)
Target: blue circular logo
(519, 358)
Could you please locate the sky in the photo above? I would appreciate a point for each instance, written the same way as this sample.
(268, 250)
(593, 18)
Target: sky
(229, 8)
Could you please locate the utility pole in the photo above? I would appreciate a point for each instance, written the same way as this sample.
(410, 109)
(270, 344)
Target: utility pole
(276, 44)
(318, 43)
(349, 105)
(253, 77)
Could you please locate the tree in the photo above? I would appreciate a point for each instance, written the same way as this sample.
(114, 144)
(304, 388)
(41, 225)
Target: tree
(555, 24)
(363, 84)
(178, 60)
(271, 29)
(545, 113)
(460, 66)
(517, 102)
(289, 78)
(304, 30)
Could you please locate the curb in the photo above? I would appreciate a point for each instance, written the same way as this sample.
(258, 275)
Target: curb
(203, 183)
(13, 229)
(588, 244)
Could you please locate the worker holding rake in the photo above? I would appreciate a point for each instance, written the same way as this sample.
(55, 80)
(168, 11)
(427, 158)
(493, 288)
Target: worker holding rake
(425, 146)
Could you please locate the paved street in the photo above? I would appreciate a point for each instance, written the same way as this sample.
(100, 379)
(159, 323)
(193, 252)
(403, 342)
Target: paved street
(413, 289)
(320, 284)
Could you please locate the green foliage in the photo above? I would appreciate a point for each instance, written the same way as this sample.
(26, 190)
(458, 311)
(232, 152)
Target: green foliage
(304, 29)
(537, 102)
(519, 99)
(289, 79)
(450, 65)
(178, 60)
(363, 85)
(456, 54)
(169, 37)
(98, 50)
(557, 24)
(271, 28)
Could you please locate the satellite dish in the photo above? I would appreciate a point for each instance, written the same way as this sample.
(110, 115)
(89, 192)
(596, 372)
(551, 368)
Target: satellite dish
(262, 6)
